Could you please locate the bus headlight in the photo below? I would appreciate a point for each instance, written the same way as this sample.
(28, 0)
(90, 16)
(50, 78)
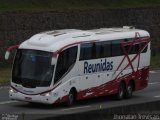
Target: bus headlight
(12, 90)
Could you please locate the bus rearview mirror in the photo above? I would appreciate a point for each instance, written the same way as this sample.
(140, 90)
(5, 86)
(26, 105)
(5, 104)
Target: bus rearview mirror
(7, 54)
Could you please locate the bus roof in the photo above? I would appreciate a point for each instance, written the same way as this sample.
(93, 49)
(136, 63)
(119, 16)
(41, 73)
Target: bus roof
(57, 39)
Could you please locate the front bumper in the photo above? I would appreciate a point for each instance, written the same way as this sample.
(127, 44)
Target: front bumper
(31, 98)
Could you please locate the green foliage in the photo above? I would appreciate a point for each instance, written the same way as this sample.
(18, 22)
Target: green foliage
(155, 62)
(5, 75)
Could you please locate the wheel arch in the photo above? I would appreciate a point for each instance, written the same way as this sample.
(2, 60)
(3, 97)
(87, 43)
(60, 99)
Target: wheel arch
(132, 81)
(123, 82)
(73, 89)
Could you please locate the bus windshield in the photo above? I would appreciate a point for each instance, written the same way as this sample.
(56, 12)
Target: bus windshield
(32, 68)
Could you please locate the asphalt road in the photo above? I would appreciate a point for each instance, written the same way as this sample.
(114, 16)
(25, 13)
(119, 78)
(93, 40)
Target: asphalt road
(19, 109)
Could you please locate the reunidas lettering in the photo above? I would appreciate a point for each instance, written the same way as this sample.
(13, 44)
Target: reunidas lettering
(98, 67)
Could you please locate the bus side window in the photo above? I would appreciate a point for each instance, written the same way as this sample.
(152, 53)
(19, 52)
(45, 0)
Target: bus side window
(65, 60)
(98, 50)
(87, 51)
(134, 49)
(142, 45)
(106, 49)
(116, 48)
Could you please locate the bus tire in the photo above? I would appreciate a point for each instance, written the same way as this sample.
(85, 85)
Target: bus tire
(129, 90)
(71, 97)
(121, 91)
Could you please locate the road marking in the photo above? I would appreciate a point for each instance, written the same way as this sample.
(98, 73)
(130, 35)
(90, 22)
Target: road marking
(3, 87)
(153, 72)
(76, 108)
(157, 96)
(7, 102)
(153, 83)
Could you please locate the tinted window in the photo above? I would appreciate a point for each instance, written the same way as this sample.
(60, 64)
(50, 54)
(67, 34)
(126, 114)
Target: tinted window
(116, 48)
(66, 59)
(95, 50)
(98, 50)
(32, 68)
(134, 49)
(106, 49)
(87, 51)
(142, 45)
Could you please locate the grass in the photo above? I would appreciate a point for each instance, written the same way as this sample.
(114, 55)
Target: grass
(45, 5)
(5, 73)
(155, 62)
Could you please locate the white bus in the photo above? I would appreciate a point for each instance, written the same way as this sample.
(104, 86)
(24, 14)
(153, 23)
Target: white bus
(69, 65)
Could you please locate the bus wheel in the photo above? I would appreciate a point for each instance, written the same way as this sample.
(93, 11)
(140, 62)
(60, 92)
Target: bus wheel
(71, 98)
(129, 90)
(121, 91)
